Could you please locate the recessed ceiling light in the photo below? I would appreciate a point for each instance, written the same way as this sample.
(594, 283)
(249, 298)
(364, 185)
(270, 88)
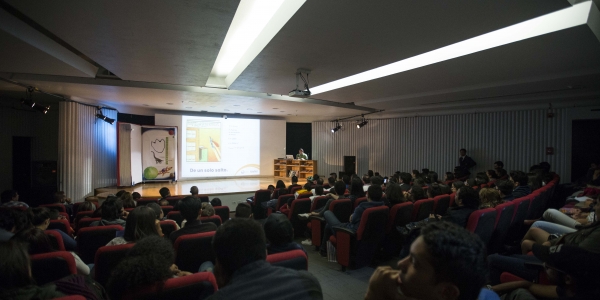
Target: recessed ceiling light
(169, 103)
(282, 111)
(275, 108)
(566, 18)
(145, 105)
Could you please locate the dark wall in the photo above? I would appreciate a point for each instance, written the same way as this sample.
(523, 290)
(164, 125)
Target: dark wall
(298, 135)
(585, 145)
(135, 119)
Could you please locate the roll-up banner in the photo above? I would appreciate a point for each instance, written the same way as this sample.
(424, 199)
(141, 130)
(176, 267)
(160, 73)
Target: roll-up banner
(159, 153)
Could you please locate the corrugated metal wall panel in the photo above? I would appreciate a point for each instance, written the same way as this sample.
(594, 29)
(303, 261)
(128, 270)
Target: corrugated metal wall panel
(518, 138)
(87, 150)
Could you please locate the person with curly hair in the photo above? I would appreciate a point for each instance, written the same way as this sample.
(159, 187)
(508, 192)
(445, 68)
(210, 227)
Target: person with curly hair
(148, 262)
(489, 198)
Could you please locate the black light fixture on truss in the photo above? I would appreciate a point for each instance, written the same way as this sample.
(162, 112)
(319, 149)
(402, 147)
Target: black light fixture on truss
(104, 118)
(28, 101)
(337, 127)
(363, 123)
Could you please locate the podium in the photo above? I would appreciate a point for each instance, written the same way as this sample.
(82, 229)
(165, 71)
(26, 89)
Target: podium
(303, 168)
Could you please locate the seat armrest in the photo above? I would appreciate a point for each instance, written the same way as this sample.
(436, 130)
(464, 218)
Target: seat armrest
(350, 232)
(532, 265)
(312, 217)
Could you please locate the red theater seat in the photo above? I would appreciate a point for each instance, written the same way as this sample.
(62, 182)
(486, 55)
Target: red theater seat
(144, 202)
(85, 222)
(341, 208)
(175, 216)
(319, 202)
(422, 209)
(482, 222)
(212, 219)
(57, 206)
(166, 209)
(223, 212)
(192, 287)
(106, 259)
(191, 250)
(359, 201)
(295, 259)
(441, 204)
(504, 217)
(48, 267)
(90, 239)
(62, 225)
(400, 215)
(260, 196)
(299, 206)
(55, 239)
(168, 226)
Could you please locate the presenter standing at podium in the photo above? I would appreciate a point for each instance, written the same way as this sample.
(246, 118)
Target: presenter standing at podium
(301, 155)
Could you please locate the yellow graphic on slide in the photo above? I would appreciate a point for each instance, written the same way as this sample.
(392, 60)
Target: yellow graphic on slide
(203, 141)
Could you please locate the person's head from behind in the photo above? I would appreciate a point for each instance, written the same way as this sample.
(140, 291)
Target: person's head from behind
(366, 179)
(294, 179)
(112, 208)
(164, 192)
(216, 202)
(158, 212)
(40, 217)
(470, 182)
(445, 262)
(449, 176)
(136, 196)
(456, 185)
(498, 165)
(331, 181)
(481, 179)
(504, 187)
(405, 177)
(415, 174)
(163, 202)
(9, 195)
(420, 181)
(237, 243)
(149, 261)
(346, 179)
(141, 223)
(207, 210)
(36, 240)
(190, 208)
(518, 178)
(489, 197)
(280, 184)
(279, 230)
(376, 180)
(467, 196)
(545, 166)
(394, 194)
(15, 268)
(127, 199)
(445, 189)
(319, 190)
(59, 197)
(334, 175)
(501, 173)
(243, 210)
(86, 206)
(374, 193)
(340, 188)
(417, 193)
(434, 190)
(356, 188)
(307, 186)
(534, 180)
(370, 173)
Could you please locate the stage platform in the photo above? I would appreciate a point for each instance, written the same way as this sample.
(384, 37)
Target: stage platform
(229, 190)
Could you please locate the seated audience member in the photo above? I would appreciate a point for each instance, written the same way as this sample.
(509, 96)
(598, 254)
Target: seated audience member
(136, 196)
(334, 176)
(120, 193)
(456, 185)
(471, 183)
(534, 180)
(280, 234)
(128, 201)
(374, 195)
(331, 182)
(158, 212)
(520, 181)
(191, 209)
(434, 190)
(467, 201)
(498, 165)
(449, 177)
(150, 261)
(367, 182)
(318, 191)
(356, 190)
(164, 193)
(10, 198)
(446, 190)
(393, 195)
(293, 185)
(40, 218)
(216, 202)
(505, 189)
(69, 242)
(241, 268)
(305, 189)
(445, 262)
(243, 210)
(112, 210)
(347, 181)
(207, 210)
(587, 237)
(491, 175)
(405, 179)
(278, 186)
(194, 191)
(574, 220)
(339, 189)
(433, 177)
(164, 202)
(574, 272)
(7, 225)
(481, 178)
(502, 174)
(416, 193)
(420, 182)
(489, 198)
(370, 173)
(38, 243)
(377, 180)
(16, 281)
(61, 198)
(141, 223)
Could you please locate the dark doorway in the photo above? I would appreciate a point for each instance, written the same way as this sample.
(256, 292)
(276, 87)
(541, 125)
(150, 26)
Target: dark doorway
(585, 147)
(298, 135)
(21, 167)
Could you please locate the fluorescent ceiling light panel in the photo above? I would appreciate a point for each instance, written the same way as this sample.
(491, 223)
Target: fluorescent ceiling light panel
(559, 20)
(255, 23)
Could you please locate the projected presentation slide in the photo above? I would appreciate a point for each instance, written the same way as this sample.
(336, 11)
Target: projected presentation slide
(215, 147)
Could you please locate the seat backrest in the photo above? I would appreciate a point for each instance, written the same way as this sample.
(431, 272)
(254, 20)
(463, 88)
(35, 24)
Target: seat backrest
(85, 222)
(222, 212)
(452, 198)
(536, 206)
(90, 239)
(57, 206)
(294, 189)
(212, 219)
(359, 201)
(191, 250)
(522, 209)
(373, 223)
(80, 215)
(294, 259)
(192, 287)
(129, 209)
(299, 206)
(144, 202)
(422, 209)
(56, 240)
(174, 199)
(258, 210)
(342, 209)
(168, 226)
(48, 267)
(319, 202)
(203, 198)
(176, 216)
(441, 204)
(107, 258)
(283, 199)
(62, 225)
(166, 209)
(504, 216)
(400, 215)
(481, 222)
(305, 195)
(66, 215)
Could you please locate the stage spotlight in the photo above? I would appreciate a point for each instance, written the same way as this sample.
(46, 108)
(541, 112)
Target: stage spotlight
(42, 109)
(28, 102)
(361, 124)
(336, 128)
(105, 118)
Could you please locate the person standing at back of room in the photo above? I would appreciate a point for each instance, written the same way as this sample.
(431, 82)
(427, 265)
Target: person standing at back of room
(465, 162)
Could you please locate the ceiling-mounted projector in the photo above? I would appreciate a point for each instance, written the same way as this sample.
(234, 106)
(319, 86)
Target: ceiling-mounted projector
(298, 93)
